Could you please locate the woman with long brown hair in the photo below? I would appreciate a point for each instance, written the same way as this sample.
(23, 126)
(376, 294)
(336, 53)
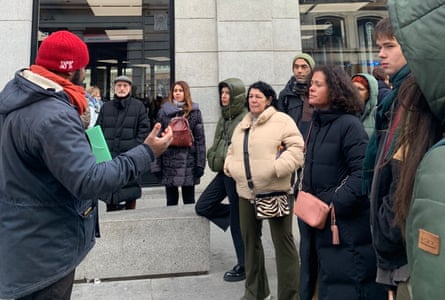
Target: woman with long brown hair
(181, 166)
(419, 130)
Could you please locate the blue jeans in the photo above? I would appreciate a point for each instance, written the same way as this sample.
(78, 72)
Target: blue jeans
(210, 205)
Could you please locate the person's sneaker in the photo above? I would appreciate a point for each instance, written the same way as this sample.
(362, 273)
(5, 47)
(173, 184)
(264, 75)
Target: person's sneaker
(236, 274)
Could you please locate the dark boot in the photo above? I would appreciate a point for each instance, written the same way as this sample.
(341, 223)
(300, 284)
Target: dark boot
(236, 274)
(131, 204)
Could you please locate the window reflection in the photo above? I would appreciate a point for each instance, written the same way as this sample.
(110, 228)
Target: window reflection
(341, 32)
(332, 37)
(132, 38)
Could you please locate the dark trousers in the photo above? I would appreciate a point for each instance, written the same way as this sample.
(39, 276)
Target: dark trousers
(286, 255)
(60, 290)
(172, 192)
(223, 215)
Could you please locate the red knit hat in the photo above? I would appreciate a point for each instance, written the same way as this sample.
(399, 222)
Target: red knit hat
(362, 80)
(62, 51)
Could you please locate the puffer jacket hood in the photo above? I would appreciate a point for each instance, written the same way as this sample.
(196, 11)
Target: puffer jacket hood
(368, 115)
(237, 97)
(417, 26)
(37, 89)
(373, 89)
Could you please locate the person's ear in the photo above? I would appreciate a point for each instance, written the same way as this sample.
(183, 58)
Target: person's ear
(70, 75)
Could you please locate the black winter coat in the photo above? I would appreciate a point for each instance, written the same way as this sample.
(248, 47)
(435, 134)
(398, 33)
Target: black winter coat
(125, 125)
(291, 100)
(335, 151)
(178, 164)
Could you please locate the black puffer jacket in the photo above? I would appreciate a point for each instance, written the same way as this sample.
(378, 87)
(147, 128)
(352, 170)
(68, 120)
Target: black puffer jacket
(335, 151)
(178, 164)
(125, 124)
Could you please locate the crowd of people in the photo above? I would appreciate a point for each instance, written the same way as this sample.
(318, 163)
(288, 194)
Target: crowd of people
(369, 146)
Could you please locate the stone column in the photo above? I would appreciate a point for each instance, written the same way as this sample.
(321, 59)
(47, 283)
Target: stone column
(15, 30)
(217, 39)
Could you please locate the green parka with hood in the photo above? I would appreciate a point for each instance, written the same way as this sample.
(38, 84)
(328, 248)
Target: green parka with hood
(231, 115)
(418, 26)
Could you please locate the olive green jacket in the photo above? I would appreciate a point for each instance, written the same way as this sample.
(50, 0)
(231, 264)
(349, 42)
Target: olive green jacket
(231, 115)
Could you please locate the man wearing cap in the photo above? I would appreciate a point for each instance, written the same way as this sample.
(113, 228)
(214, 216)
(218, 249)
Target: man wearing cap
(47, 170)
(125, 124)
(292, 98)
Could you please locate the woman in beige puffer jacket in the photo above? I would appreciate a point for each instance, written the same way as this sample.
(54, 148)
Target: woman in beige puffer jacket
(275, 150)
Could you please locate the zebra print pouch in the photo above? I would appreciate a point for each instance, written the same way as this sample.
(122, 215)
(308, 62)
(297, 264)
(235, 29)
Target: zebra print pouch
(271, 205)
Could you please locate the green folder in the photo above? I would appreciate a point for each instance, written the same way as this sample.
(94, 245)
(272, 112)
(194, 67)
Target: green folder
(98, 144)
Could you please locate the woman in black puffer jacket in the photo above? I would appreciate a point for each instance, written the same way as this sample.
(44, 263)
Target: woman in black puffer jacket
(181, 166)
(333, 172)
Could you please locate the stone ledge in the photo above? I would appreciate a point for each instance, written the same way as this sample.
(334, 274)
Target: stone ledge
(149, 242)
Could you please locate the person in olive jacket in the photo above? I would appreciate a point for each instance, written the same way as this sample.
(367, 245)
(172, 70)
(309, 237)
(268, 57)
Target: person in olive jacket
(125, 125)
(232, 97)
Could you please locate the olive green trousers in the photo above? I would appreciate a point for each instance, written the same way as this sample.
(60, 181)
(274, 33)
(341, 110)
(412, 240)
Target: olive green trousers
(286, 255)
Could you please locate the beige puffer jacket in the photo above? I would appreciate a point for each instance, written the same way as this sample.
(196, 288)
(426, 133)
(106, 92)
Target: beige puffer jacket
(270, 170)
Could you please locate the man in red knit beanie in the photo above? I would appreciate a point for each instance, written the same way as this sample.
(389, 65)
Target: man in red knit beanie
(47, 171)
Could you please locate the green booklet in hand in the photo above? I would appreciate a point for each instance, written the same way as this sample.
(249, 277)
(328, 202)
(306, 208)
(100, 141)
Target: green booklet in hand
(98, 144)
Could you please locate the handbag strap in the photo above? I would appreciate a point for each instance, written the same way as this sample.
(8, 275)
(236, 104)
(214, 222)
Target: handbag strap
(246, 159)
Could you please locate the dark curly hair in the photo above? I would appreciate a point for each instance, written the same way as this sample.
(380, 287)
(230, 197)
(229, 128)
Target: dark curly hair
(266, 89)
(342, 94)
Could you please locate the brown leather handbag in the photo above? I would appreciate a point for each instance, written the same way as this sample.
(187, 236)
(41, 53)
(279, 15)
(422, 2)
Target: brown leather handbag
(182, 135)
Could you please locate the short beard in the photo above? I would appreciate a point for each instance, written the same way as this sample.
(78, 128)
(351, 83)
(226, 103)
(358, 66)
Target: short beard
(76, 78)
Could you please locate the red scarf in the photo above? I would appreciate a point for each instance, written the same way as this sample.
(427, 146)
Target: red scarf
(75, 93)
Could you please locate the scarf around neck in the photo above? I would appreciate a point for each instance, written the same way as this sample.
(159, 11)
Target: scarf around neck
(75, 93)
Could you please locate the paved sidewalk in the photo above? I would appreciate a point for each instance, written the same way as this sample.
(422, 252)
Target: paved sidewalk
(200, 287)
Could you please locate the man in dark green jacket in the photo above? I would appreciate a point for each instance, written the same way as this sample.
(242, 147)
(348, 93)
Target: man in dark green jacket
(232, 99)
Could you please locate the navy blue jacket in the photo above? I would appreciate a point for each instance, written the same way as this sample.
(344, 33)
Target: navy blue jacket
(46, 170)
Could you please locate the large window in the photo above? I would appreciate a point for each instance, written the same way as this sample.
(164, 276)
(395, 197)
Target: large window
(341, 32)
(129, 37)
